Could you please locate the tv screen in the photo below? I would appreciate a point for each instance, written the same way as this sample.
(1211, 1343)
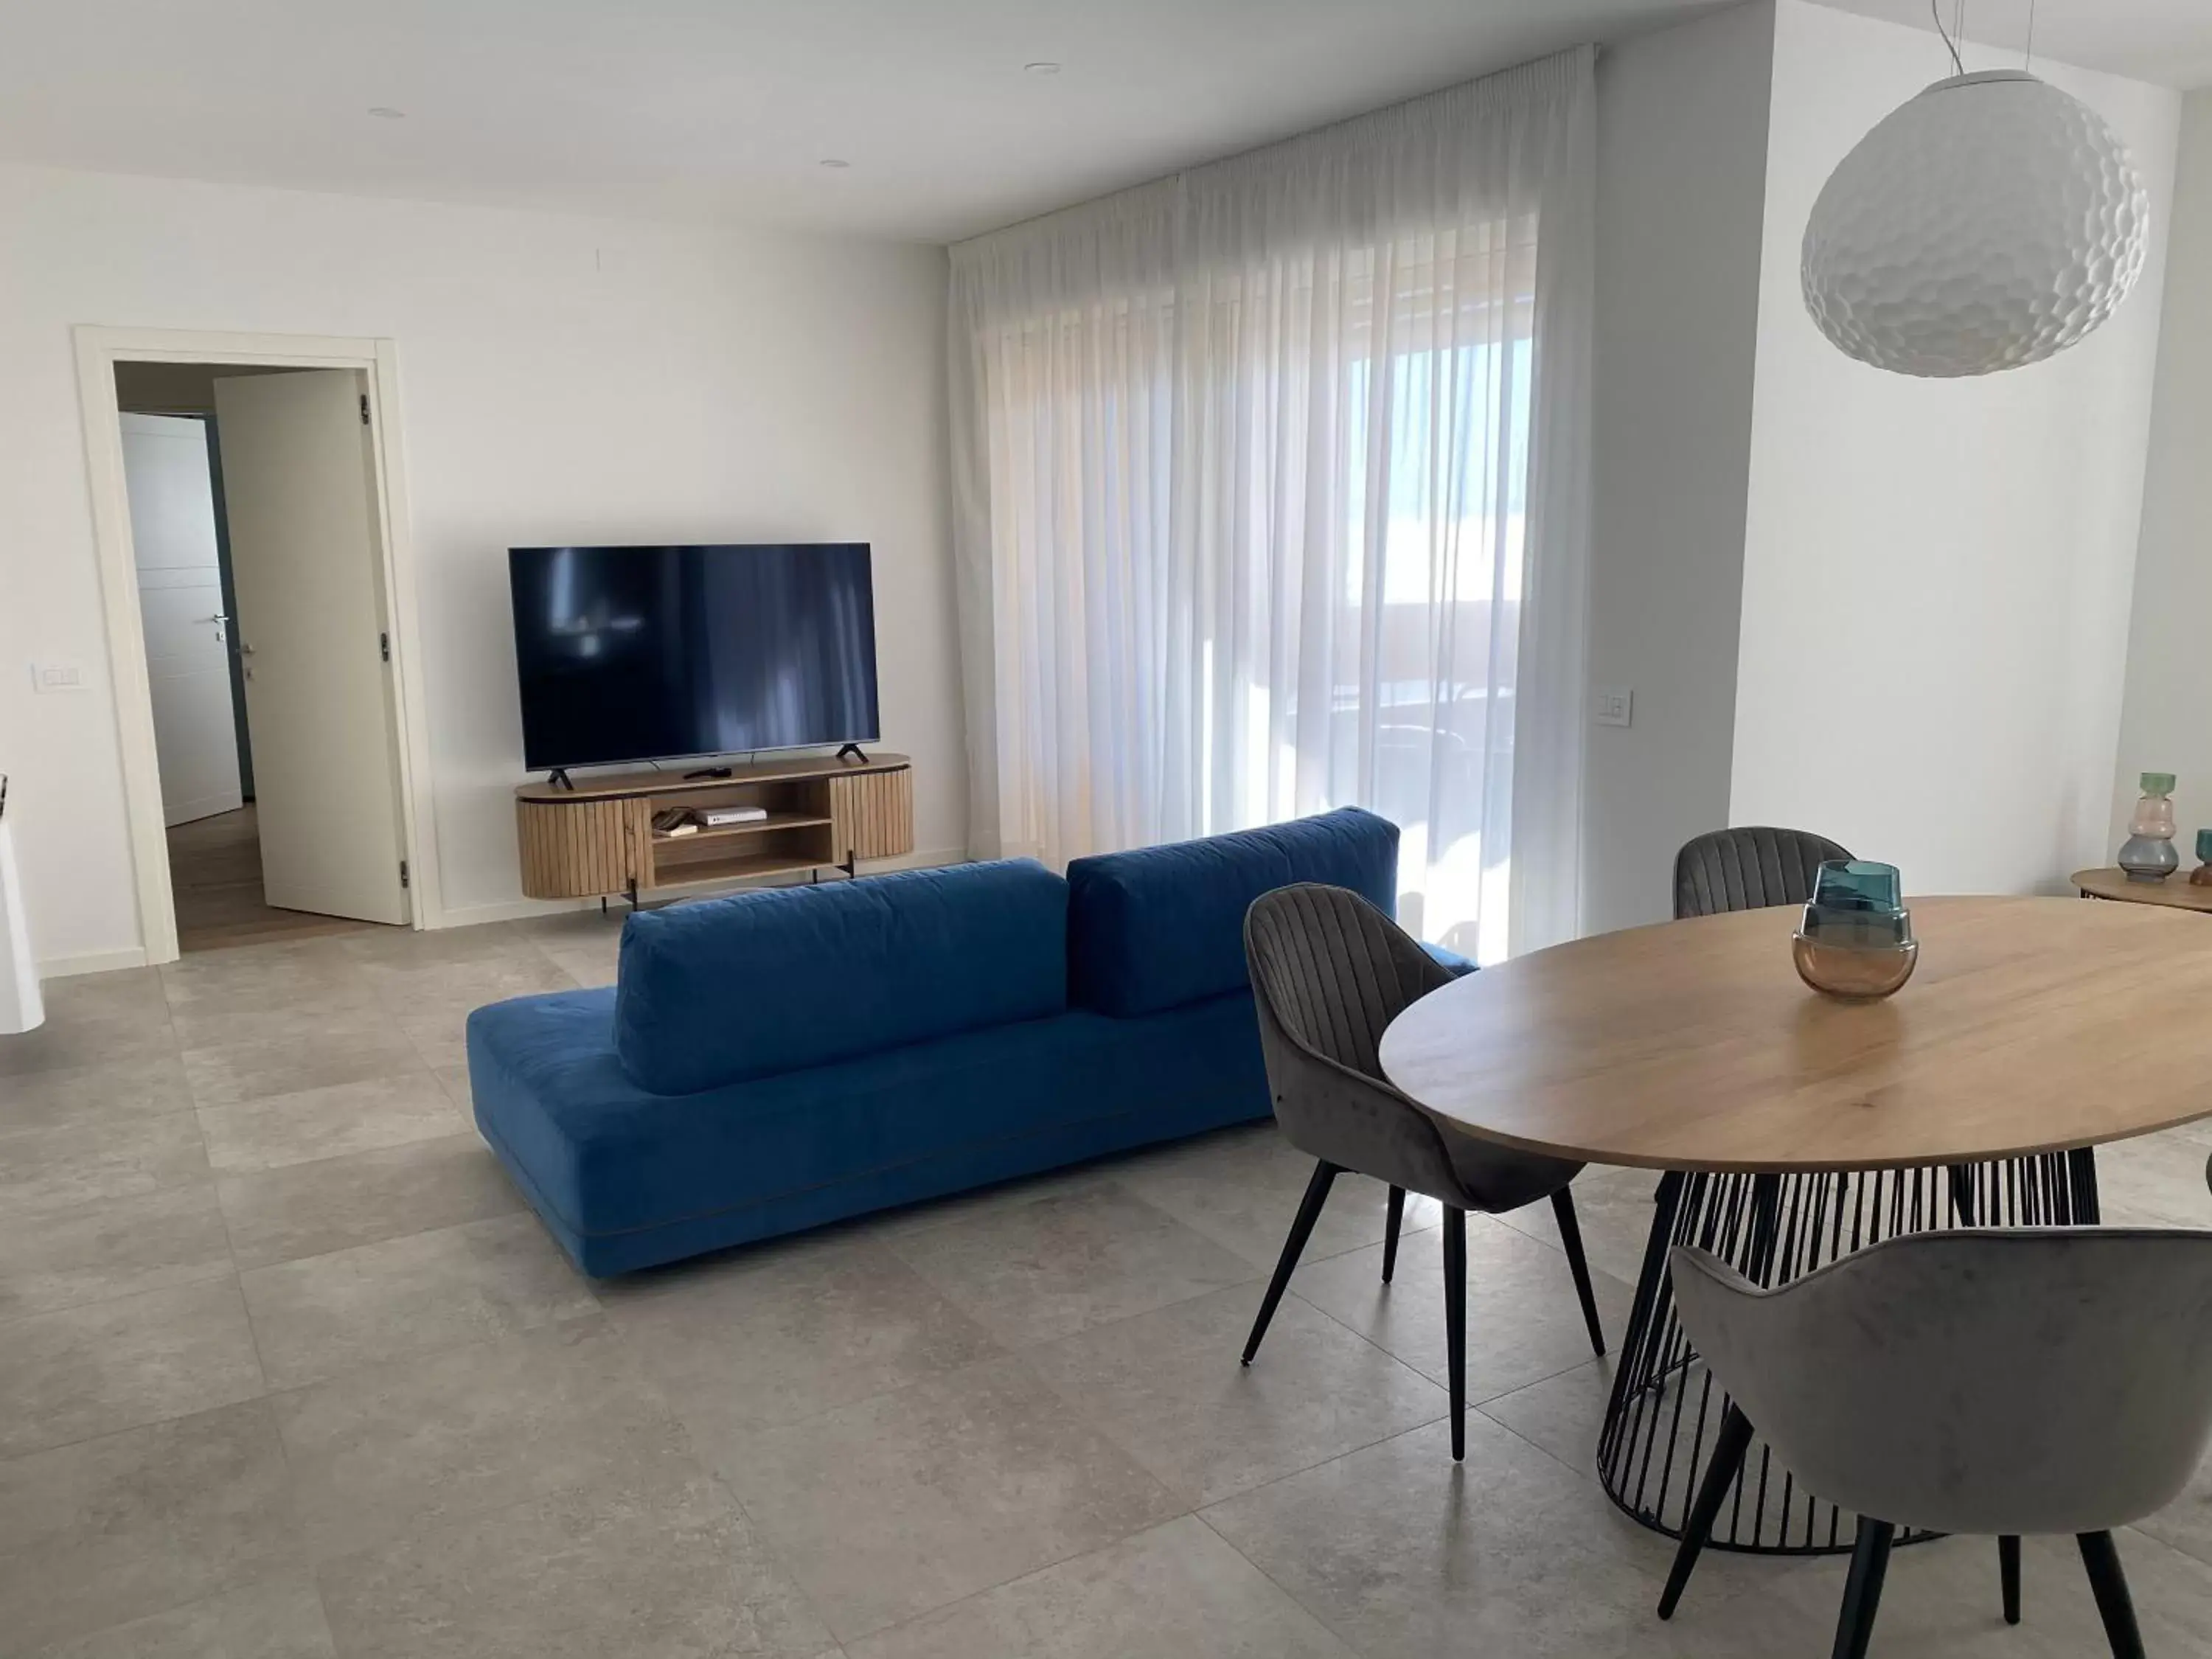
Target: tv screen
(651, 653)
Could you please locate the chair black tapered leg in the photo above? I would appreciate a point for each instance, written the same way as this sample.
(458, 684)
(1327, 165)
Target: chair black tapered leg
(1863, 1589)
(1571, 1236)
(1390, 1233)
(1729, 1448)
(1455, 1324)
(2008, 1576)
(2118, 1609)
(1324, 1176)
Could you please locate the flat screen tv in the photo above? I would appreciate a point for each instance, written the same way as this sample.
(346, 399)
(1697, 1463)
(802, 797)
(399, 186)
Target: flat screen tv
(632, 654)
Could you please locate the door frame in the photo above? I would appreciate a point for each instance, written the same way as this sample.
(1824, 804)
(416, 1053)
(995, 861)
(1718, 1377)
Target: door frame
(98, 350)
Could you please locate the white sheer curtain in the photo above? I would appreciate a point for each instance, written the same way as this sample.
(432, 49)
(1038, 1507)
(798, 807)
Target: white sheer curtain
(1271, 496)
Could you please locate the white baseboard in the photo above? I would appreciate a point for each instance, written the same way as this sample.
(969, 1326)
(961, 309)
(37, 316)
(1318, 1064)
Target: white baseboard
(475, 915)
(92, 962)
(470, 915)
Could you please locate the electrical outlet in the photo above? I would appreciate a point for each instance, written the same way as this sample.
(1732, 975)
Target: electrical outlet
(1610, 705)
(58, 677)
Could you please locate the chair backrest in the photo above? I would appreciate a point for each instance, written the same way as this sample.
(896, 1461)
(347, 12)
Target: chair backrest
(1748, 869)
(1330, 972)
(2030, 1379)
(1334, 970)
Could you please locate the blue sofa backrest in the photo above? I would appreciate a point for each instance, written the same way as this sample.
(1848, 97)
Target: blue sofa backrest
(776, 980)
(1160, 926)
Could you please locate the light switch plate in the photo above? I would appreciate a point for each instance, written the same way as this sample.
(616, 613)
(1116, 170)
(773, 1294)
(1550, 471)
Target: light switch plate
(1610, 705)
(58, 676)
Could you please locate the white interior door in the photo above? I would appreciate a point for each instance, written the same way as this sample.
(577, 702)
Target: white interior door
(299, 488)
(173, 539)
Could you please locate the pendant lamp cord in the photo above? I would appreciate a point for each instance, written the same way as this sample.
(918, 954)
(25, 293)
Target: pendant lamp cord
(1936, 11)
(2028, 52)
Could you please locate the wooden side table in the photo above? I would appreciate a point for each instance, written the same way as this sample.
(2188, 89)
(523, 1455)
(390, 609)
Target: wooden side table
(2175, 892)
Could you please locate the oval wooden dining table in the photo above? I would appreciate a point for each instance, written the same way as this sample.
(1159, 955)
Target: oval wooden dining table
(1793, 1127)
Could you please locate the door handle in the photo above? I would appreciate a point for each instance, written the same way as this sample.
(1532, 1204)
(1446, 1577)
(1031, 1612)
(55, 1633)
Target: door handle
(218, 618)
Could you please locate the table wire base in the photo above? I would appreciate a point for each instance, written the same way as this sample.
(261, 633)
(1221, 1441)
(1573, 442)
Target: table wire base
(1665, 1409)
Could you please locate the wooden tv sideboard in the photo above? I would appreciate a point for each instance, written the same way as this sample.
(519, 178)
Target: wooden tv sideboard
(597, 840)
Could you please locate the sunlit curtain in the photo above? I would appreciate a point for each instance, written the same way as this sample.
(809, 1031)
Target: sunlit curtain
(1271, 497)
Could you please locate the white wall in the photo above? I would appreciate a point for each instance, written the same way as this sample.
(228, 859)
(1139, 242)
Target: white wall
(562, 380)
(1681, 166)
(1938, 574)
(2166, 726)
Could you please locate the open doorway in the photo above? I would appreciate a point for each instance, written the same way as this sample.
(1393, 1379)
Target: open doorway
(264, 624)
(200, 663)
(253, 506)
(262, 616)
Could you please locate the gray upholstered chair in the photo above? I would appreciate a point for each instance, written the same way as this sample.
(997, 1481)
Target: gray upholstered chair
(2030, 1380)
(1748, 869)
(1330, 972)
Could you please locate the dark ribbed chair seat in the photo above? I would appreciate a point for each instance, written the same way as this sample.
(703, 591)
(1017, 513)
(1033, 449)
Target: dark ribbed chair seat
(1329, 973)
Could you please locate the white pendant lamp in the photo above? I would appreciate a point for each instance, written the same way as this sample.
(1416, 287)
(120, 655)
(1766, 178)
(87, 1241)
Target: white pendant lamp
(1987, 224)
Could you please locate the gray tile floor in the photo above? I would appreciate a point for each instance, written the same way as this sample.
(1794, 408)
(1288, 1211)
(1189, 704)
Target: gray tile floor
(286, 1369)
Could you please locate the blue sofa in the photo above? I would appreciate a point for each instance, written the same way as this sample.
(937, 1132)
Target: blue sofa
(781, 1059)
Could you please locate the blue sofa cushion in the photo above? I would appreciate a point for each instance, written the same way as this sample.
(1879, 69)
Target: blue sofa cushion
(606, 1160)
(792, 977)
(1451, 961)
(1160, 926)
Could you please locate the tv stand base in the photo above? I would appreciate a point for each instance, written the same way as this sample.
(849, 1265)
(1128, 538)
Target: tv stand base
(593, 837)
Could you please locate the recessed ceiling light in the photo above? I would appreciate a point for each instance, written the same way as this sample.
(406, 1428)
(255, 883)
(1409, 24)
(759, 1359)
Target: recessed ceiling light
(835, 162)
(1042, 68)
(385, 113)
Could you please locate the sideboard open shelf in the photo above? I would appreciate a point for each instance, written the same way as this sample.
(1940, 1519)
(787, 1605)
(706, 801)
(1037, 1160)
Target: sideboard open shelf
(597, 839)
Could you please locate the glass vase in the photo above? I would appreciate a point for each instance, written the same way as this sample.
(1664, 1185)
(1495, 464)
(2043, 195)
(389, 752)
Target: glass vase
(2148, 854)
(1855, 939)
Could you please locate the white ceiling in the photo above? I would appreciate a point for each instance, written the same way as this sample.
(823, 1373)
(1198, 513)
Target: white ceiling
(727, 108)
(2164, 41)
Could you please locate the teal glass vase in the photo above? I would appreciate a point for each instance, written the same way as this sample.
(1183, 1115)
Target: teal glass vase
(1855, 939)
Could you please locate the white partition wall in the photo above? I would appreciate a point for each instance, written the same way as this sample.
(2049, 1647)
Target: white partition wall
(1936, 573)
(2166, 726)
(1893, 610)
(1681, 194)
